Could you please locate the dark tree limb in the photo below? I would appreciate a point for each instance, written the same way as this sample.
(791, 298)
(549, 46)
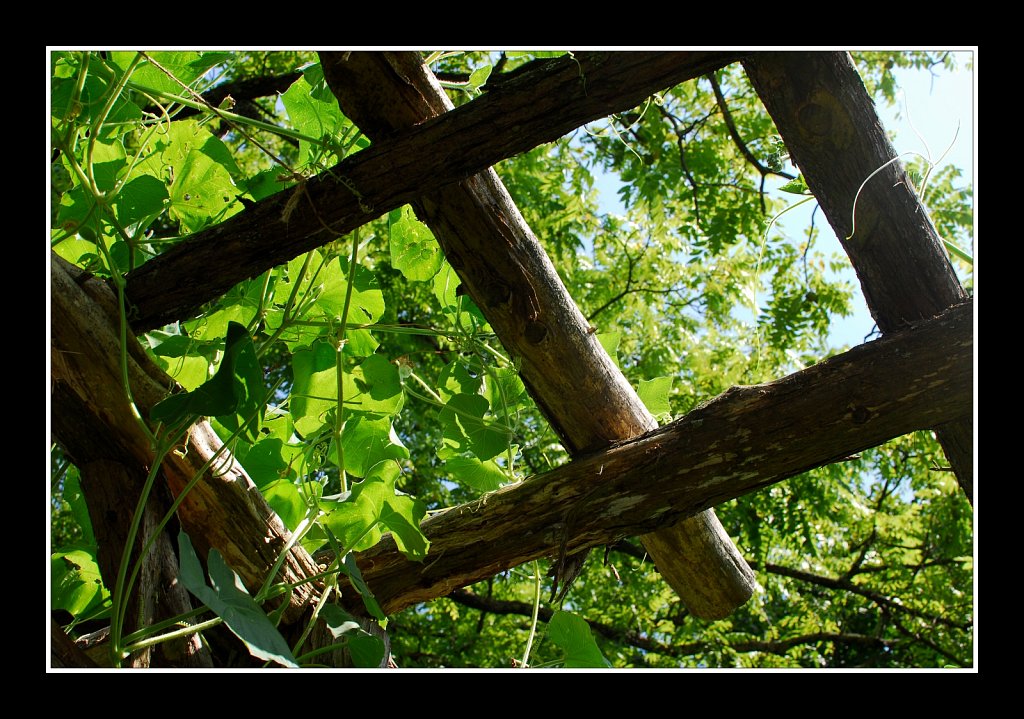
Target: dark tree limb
(846, 585)
(64, 653)
(746, 439)
(241, 91)
(830, 127)
(734, 133)
(508, 274)
(636, 639)
(917, 637)
(552, 98)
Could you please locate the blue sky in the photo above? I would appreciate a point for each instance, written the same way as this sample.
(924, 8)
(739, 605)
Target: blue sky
(933, 105)
(925, 119)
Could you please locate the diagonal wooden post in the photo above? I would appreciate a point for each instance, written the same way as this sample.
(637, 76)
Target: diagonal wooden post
(505, 269)
(834, 136)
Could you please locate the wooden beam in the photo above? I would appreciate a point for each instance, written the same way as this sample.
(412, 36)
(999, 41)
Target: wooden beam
(742, 441)
(507, 272)
(94, 422)
(538, 106)
(834, 136)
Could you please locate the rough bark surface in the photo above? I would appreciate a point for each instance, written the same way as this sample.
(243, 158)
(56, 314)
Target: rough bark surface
(64, 653)
(536, 107)
(509, 275)
(744, 440)
(93, 421)
(833, 134)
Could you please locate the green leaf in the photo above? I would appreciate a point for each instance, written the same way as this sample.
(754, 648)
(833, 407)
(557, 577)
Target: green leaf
(237, 387)
(796, 187)
(464, 428)
(265, 463)
(610, 342)
(315, 387)
(504, 388)
(227, 597)
(264, 184)
(367, 303)
(445, 283)
(183, 357)
(375, 501)
(360, 343)
(72, 493)
(184, 65)
(95, 93)
(139, 199)
(414, 251)
(74, 249)
(455, 379)
(378, 387)
(479, 76)
(197, 166)
(350, 568)
(314, 113)
(284, 498)
(368, 440)
(248, 383)
(366, 650)
(75, 582)
(203, 193)
(190, 571)
(572, 634)
(238, 305)
(108, 160)
(654, 393)
(482, 476)
(372, 387)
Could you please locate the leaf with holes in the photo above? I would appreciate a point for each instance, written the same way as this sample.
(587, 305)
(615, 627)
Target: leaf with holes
(414, 251)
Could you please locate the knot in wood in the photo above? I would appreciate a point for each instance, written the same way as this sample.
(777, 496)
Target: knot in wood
(815, 119)
(860, 414)
(535, 332)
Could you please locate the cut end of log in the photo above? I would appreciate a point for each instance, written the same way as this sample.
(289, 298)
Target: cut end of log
(709, 591)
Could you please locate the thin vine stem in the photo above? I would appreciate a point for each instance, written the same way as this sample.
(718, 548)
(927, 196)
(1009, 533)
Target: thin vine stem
(101, 118)
(536, 614)
(339, 367)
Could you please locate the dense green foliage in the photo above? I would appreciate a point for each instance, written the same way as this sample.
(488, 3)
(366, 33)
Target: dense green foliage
(361, 389)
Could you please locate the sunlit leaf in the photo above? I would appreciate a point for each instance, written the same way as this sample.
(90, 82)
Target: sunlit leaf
(572, 635)
(414, 251)
(654, 393)
(481, 476)
(375, 502)
(75, 582)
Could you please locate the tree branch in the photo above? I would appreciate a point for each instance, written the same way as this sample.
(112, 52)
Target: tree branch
(846, 585)
(507, 272)
(730, 124)
(915, 636)
(682, 159)
(635, 639)
(242, 91)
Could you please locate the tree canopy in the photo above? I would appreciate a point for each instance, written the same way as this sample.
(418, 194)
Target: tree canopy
(250, 224)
